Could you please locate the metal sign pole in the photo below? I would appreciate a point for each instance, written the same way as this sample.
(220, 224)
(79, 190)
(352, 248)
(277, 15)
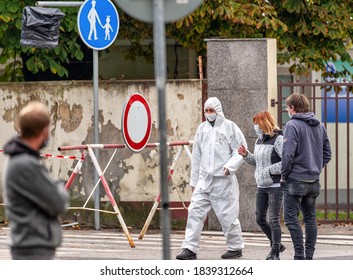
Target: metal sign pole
(59, 3)
(87, 27)
(160, 76)
(95, 97)
(96, 134)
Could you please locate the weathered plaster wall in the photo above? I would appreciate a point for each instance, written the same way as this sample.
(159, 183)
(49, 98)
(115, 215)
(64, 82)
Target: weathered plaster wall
(133, 177)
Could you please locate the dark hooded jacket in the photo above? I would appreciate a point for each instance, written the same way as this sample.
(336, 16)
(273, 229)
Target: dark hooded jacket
(306, 148)
(33, 199)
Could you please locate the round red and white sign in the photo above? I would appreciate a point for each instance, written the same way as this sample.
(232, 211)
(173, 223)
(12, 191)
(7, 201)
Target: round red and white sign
(136, 122)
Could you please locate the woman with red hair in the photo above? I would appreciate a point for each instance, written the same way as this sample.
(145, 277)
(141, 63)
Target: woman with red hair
(267, 158)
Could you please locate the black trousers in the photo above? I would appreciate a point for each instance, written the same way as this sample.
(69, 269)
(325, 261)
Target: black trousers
(33, 253)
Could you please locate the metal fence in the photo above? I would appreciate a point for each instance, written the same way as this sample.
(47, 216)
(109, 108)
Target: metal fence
(332, 102)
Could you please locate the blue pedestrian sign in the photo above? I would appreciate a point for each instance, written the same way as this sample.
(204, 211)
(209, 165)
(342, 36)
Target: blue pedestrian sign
(98, 23)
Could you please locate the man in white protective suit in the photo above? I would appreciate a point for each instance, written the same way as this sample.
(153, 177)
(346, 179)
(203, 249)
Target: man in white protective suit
(213, 181)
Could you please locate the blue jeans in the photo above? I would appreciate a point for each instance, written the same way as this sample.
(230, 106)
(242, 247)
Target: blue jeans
(301, 196)
(269, 200)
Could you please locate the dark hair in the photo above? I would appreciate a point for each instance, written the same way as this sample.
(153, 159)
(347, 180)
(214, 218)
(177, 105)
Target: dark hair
(299, 102)
(33, 118)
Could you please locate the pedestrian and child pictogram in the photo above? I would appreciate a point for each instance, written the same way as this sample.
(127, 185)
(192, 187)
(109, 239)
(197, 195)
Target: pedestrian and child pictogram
(98, 23)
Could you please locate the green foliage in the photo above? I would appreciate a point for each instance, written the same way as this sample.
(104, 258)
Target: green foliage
(225, 19)
(39, 59)
(318, 31)
(308, 33)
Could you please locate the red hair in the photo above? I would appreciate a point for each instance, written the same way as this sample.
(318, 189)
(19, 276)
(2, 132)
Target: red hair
(266, 122)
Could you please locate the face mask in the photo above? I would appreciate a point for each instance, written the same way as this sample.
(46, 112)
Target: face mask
(211, 117)
(289, 115)
(258, 131)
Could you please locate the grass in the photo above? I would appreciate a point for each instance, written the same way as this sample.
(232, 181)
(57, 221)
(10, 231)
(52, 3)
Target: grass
(333, 216)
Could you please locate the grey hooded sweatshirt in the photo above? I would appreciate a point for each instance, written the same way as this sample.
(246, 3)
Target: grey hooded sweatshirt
(306, 148)
(33, 199)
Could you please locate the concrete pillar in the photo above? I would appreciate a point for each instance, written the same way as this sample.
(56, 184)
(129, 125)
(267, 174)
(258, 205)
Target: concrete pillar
(242, 73)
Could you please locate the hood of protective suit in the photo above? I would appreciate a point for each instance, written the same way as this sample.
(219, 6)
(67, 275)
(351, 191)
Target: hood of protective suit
(214, 103)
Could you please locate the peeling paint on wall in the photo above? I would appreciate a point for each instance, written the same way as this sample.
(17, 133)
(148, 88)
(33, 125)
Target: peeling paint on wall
(132, 177)
(70, 117)
(180, 96)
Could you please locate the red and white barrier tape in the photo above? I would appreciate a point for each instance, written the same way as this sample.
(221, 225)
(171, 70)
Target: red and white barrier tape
(56, 156)
(62, 156)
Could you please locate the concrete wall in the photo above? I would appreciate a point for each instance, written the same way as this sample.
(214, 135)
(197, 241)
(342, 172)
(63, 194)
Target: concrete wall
(242, 73)
(133, 177)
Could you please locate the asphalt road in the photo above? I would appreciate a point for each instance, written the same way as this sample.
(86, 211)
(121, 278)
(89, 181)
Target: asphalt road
(334, 243)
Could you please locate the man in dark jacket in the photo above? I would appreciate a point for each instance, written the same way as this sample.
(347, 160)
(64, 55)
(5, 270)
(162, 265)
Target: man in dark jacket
(306, 151)
(33, 199)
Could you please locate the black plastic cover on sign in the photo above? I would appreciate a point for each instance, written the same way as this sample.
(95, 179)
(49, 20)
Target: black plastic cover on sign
(40, 27)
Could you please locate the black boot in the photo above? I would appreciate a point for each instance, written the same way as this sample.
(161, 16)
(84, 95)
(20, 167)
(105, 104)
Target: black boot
(281, 249)
(274, 255)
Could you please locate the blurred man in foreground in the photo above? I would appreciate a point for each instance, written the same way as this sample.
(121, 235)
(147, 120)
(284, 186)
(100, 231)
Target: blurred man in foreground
(33, 199)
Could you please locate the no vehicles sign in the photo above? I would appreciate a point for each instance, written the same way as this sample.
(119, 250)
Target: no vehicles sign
(136, 122)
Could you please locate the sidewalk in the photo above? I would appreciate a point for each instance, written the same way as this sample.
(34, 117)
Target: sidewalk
(335, 242)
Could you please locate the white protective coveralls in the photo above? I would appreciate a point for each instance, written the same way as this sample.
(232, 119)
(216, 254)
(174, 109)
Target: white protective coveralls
(215, 148)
